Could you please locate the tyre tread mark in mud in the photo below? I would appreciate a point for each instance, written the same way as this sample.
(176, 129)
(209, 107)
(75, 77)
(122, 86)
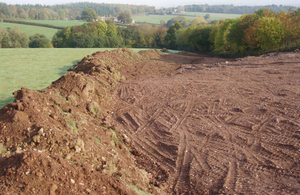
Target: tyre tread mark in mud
(234, 142)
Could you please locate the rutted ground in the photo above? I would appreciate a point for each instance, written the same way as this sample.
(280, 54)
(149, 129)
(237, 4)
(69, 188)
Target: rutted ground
(229, 127)
(193, 124)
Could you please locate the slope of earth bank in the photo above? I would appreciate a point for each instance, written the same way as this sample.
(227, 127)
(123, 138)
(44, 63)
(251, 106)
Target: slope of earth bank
(58, 141)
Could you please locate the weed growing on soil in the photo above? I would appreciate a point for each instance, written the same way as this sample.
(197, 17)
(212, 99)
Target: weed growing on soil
(61, 110)
(114, 139)
(96, 110)
(97, 140)
(73, 125)
(61, 97)
(117, 76)
(113, 168)
(138, 190)
(3, 149)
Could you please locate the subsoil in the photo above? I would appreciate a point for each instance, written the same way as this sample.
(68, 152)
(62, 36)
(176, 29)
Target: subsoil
(121, 122)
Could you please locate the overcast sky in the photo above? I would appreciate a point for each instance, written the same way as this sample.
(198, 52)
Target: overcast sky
(161, 3)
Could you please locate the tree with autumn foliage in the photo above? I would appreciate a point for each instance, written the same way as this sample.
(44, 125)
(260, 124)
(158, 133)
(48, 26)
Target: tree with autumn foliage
(171, 35)
(291, 24)
(125, 17)
(89, 15)
(263, 31)
(269, 33)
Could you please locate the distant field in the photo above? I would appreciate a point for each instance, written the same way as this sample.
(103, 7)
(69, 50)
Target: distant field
(214, 16)
(155, 19)
(36, 68)
(31, 30)
(57, 22)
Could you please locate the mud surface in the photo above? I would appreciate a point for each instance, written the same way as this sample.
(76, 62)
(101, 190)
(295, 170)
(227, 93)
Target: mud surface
(127, 123)
(211, 128)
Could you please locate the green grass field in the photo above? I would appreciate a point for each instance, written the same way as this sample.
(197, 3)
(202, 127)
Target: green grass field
(214, 16)
(31, 30)
(57, 22)
(36, 68)
(155, 19)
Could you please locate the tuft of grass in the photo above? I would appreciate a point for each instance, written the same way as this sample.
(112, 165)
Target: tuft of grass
(117, 75)
(141, 192)
(73, 124)
(62, 97)
(97, 140)
(113, 168)
(114, 138)
(3, 149)
(96, 110)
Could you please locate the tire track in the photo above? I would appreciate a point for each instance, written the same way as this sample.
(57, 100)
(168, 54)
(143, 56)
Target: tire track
(218, 130)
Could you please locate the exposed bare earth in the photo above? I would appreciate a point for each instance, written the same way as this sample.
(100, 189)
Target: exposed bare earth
(218, 128)
(194, 125)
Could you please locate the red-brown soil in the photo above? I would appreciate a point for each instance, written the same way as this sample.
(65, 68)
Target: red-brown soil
(193, 124)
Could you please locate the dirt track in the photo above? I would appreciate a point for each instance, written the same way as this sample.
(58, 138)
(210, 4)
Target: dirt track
(178, 124)
(229, 127)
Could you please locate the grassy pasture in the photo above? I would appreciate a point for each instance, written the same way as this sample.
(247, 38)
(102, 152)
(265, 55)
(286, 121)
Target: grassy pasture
(36, 68)
(155, 19)
(214, 16)
(57, 22)
(31, 30)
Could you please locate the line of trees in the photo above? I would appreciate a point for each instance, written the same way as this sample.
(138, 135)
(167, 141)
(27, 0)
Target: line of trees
(73, 10)
(70, 11)
(107, 34)
(262, 31)
(15, 38)
(231, 9)
(90, 34)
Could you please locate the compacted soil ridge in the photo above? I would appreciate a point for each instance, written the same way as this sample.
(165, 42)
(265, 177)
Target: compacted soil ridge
(126, 123)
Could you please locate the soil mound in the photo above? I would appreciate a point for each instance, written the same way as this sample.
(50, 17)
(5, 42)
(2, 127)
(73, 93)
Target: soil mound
(58, 140)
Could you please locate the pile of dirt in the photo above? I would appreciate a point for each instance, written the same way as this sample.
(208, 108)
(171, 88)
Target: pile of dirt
(59, 140)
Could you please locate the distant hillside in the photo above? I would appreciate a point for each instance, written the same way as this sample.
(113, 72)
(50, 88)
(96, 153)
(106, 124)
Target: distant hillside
(227, 9)
(68, 11)
(73, 11)
(231, 9)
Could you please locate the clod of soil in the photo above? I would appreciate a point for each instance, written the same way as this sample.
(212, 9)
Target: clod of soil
(126, 123)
